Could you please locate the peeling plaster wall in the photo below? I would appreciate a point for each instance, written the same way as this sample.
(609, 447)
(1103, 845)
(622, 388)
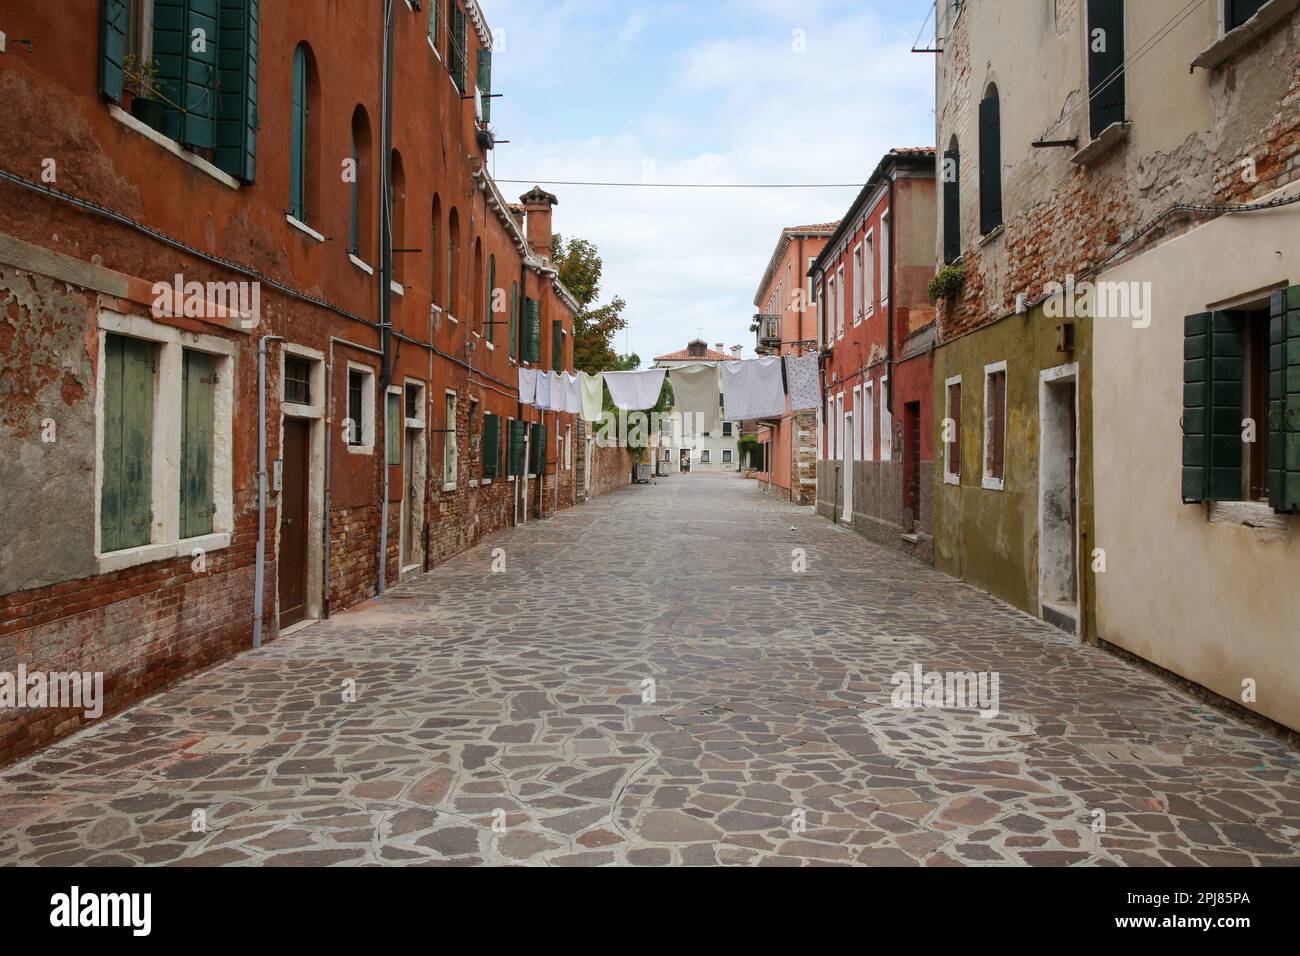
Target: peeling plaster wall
(46, 488)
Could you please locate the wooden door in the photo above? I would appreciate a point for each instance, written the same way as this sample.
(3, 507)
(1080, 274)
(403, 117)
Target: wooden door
(292, 559)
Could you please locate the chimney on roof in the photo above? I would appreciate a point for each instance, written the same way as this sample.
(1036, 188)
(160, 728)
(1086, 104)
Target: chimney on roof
(737, 350)
(537, 204)
(718, 346)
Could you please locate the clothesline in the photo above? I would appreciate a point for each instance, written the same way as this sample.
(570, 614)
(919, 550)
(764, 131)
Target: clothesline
(745, 390)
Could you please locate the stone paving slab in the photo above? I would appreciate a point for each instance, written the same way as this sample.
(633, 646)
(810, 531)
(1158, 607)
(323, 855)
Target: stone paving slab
(471, 718)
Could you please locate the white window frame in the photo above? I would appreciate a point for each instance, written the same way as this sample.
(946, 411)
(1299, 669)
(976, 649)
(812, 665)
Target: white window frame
(841, 305)
(857, 284)
(839, 427)
(704, 457)
(869, 307)
(988, 481)
(885, 253)
(414, 422)
(170, 344)
(949, 477)
(886, 421)
(450, 443)
(367, 408)
(568, 447)
(315, 385)
(828, 427)
(857, 418)
(727, 457)
(869, 422)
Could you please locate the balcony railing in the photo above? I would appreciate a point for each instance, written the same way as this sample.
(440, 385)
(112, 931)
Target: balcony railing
(768, 333)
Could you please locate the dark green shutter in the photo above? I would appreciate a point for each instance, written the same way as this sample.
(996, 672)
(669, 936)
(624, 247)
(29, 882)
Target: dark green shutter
(532, 330)
(125, 512)
(557, 346)
(459, 49)
(298, 141)
(393, 436)
(1105, 68)
(433, 22)
(514, 319)
(188, 76)
(990, 146)
(112, 47)
(491, 296)
(951, 173)
(198, 392)
(515, 434)
(491, 446)
(484, 79)
(1284, 402)
(237, 104)
(1213, 406)
(537, 449)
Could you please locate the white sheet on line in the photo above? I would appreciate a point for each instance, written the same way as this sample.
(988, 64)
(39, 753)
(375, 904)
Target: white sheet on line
(635, 391)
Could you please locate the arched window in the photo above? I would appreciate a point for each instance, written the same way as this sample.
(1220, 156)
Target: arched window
(397, 212)
(453, 259)
(990, 161)
(491, 297)
(304, 154)
(361, 238)
(951, 173)
(435, 255)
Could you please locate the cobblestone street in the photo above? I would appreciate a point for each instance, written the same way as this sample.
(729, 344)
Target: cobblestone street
(499, 718)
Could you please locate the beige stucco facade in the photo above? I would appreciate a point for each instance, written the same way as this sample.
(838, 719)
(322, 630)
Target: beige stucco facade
(1215, 601)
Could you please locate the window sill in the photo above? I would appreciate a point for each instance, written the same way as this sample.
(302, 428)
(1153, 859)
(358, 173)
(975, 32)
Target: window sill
(1270, 15)
(954, 480)
(361, 449)
(303, 227)
(994, 484)
(434, 47)
(451, 318)
(491, 347)
(414, 422)
(294, 410)
(360, 264)
(1254, 515)
(993, 236)
(1106, 140)
(449, 486)
(149, 553)
(173, 147)
(397, 287)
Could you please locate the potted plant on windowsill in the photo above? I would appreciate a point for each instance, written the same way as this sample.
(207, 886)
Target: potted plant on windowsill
(142, 82)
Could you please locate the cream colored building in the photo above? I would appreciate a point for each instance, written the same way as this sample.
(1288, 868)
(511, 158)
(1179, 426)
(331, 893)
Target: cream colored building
(714, 451)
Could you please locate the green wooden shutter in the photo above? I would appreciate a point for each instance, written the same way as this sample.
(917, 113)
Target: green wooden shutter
(515, 434)
(393, 435)
(237, 103)
(990, 153)
(1213, 406)
(951, 173)
(112, 48)
(298, 141)
(483, 76)
(514, 319)
(491, 296)
(1106, 65)
(537, 449)
(125, 510)
(434, 22)
(188, 75)
(198, 391)
(459, 52)
(1284, 402)
(532, 330)
(557, 345)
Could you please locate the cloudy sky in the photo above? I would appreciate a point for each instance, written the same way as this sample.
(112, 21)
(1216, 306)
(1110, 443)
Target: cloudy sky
(727, 91)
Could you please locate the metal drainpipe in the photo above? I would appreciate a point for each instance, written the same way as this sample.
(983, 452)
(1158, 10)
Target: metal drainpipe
(385, 279)
(259, 572)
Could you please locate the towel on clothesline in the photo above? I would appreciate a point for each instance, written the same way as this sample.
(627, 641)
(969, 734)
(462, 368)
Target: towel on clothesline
(572, 386)
(544, 382)
(802, 382)
(593, 396)
(695, 393)
(635, 391)
(528, 385)
(753, 389)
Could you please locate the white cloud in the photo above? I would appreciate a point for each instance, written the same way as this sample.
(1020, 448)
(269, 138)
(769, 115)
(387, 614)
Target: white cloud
(723, 99)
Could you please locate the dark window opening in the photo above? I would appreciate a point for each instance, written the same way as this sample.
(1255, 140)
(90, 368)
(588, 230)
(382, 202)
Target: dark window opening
(356, 392)
(1239, 11)
(413, 396)
(1255, 324)
(297, 380)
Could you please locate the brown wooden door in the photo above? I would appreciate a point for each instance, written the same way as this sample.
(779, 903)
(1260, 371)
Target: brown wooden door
(292, 559)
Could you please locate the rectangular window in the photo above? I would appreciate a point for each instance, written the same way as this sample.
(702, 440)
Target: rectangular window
(1237, 12)
(297, 380)
(828, 426)
(126, 515)
(458, 52)
(704, 457)
(726, 429)
(884, 256)
(568, 447)
(726, 456)
(839, 312)
(449, 451)
(393, 428)
(536, 449)
(868, 422)
(491, 447)
(475, 442)
(357, 381)
(952, 432)
(198, 397)
(414, 401)
(857, 285)
(869, 279)
(840, 436)
(1105, 64)
(995, 425)
(435, 23)
(857, 428)
(886, 421)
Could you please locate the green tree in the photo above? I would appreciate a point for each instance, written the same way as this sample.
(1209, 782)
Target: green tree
(579, 264)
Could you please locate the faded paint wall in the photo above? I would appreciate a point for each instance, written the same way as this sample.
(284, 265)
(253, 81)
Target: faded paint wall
(1213, 601)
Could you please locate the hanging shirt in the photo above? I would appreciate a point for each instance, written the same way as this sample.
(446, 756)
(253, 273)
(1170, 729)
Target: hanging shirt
(593, 396)
(528, 385)
(753, 389)
(544, 391)
(695, 393)
(635, 391)
(802, 382)
(572, 393)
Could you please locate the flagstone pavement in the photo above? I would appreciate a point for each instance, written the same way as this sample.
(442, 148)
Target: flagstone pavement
(507, 718)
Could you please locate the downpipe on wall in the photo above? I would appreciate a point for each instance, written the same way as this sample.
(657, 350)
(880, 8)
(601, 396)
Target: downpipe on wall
(385, 282)
(259, 572)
